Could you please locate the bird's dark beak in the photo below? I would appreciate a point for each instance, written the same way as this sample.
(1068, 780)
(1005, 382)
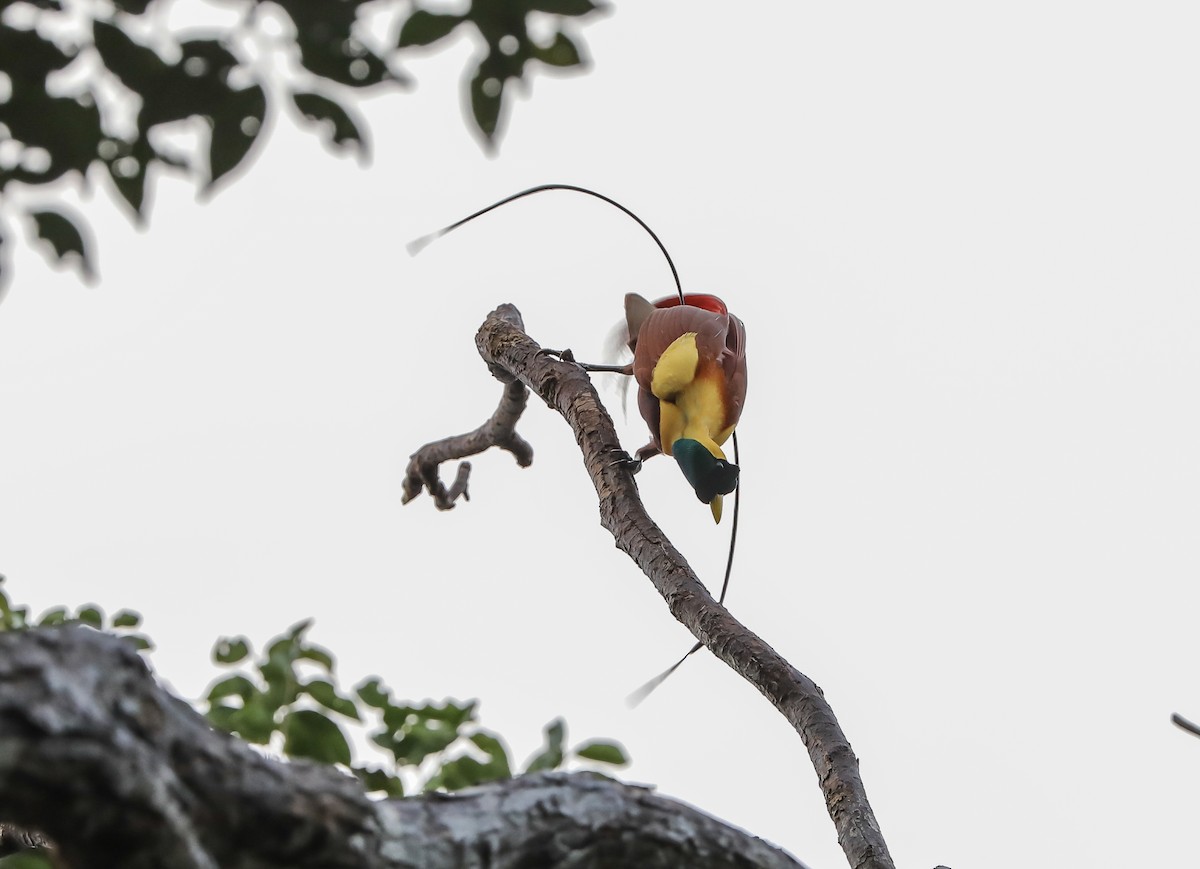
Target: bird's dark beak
(710, 477)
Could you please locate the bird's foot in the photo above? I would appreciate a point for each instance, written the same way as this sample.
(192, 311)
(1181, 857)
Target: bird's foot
(624, 460)
(568, 356)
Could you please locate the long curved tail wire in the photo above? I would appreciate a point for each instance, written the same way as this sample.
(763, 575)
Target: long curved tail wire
(418, 244)
(645, 691)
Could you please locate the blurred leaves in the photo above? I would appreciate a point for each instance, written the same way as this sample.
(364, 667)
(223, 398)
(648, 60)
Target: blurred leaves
(329, 45)
(339, 127)
(505, 29)
(602, 752)
(230, 82)
(426, 28)
(15, 617)
(65, 239)
(308, 733)
(551, 755)
(288, 698)
(27, 860)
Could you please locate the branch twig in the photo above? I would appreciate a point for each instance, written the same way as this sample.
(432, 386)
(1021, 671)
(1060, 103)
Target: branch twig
(1182, 723)
(498, 431)
(566, 388)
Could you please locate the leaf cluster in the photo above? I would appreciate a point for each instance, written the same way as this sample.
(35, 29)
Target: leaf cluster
(124, 623)
(289, 698)
(506, 28)
(61, 65)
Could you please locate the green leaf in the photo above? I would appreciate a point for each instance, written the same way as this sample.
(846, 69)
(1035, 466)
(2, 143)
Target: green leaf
(466, 771)
(310, 734)
(54, 616)
(139, 68)
(325, 694)
(28, 58)
(91, 616)
(448, 711)
(223, 717)
(230, 650)
(550, 757)
(67, 128)
(423, 740)
(328, 46)
(126, 619)
(64, 238)
(26, 860)
(318, 655)
(235, 128)
(127, 165)
(298, 630)
(385, 740)
(211, 62)
(373, 693)
(426, 28)
(376, 781)
(139, 641)
(487, 99)
(255, 721)
(497, 754)
(279, 668)
(457, 774)
(231, 686)
(561, 52)
(561, 7)
(602, 752)
(283, 686)
(340, 128)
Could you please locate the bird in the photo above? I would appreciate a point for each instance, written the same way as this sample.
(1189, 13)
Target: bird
(689, 362)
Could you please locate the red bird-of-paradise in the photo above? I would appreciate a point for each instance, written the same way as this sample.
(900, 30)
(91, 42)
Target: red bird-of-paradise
(689, 361)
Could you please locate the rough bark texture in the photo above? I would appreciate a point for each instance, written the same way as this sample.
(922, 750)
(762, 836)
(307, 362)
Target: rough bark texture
(566, 388)
(119, 773)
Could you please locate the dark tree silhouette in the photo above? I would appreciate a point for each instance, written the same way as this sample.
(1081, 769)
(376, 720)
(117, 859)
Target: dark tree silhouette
(93, 91)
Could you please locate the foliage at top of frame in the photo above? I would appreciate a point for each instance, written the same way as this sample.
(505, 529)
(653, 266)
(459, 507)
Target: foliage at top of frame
(60, 68)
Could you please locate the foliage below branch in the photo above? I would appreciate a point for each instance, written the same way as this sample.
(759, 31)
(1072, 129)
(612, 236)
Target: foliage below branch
(116, 772)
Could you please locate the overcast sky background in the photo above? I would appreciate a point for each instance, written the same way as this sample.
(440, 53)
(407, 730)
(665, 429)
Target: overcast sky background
(963, 239)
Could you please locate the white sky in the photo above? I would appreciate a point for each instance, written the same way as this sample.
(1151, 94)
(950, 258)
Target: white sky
(963, 241)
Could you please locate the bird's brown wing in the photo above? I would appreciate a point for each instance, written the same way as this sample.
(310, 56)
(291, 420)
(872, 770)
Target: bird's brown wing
(664, 325)
(733, 364)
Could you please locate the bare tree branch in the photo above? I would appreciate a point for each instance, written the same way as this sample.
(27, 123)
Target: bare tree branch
(118, 772)
(498, 431)
(1183, 724)
(566, 388)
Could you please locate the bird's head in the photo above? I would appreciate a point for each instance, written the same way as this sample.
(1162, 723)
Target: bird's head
(710, 476)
